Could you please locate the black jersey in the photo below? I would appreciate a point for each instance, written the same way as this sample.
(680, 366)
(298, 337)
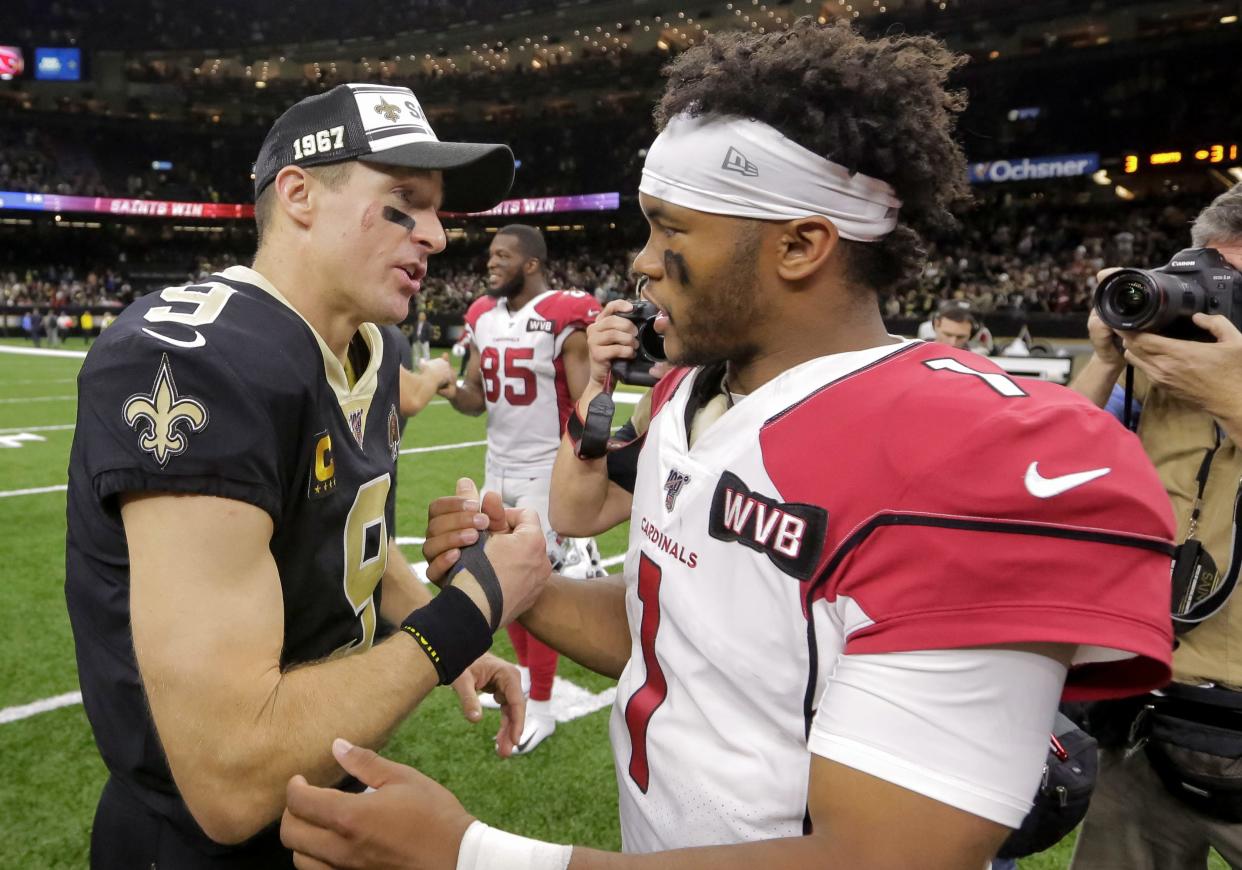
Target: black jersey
(221, 388)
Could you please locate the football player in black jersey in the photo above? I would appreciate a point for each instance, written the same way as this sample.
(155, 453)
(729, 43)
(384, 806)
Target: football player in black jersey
(231, 578)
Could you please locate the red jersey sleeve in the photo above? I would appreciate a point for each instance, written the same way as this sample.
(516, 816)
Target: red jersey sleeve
(477, 309)
(971, 511)
(568, 310)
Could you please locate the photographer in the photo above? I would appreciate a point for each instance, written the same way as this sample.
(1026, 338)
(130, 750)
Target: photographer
(1151, 808)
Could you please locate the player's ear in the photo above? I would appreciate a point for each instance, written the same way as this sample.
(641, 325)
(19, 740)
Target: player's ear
(293, 193)
(804, 247)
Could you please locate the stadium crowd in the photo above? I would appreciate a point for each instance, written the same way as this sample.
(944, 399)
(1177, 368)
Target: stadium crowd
(169, 24)
(1020, 258)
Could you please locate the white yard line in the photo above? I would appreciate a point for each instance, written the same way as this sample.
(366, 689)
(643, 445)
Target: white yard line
(25, 711)
(28, 381)
(569, 700)
(72, 398)
(438, 447)
(40, 351)
(62, 487)
(57, 428)
(36, 491)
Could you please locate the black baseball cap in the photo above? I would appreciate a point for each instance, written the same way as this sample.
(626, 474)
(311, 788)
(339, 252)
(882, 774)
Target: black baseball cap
(384, 125)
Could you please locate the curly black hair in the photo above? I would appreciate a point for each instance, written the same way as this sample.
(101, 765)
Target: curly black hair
(875, 106)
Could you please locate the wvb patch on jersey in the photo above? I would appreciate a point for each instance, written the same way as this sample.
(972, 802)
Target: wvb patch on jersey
(166, 412)
(790, 535)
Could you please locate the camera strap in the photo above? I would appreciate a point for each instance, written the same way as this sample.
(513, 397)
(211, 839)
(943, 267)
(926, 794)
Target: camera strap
(1199, 587)
(1127, 412)
(592, 438)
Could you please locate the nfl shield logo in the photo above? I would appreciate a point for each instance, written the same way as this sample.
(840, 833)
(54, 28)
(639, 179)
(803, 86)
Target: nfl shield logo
(672, 487)
(355, 425)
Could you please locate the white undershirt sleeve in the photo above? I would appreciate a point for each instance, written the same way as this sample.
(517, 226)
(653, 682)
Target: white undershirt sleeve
(966, 727)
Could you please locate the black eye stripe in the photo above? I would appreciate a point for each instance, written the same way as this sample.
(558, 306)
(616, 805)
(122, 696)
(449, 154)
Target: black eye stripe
(398, 217)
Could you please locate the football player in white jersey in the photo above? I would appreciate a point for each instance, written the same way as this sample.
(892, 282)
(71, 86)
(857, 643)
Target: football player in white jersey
(527, 368)
(834, 650)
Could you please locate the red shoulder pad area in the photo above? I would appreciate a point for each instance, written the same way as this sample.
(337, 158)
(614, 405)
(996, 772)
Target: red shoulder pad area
(478, 308)
(568, 309)
(969, 508)
(665, 387)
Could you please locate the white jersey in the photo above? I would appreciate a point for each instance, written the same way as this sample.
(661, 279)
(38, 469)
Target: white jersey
(524, 382)
(868, 502)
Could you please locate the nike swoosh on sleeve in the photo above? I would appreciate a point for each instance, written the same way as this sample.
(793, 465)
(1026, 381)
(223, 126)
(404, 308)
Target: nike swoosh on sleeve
(1046, 487)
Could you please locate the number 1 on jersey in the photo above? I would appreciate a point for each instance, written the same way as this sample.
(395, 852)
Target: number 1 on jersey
(998, 382)
(643, 703)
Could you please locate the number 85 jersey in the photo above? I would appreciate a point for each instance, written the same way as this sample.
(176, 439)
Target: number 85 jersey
(524, 382)
(902, 498)
(222, 389)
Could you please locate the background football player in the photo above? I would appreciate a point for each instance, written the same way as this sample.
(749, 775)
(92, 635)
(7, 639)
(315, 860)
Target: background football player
(528, 365)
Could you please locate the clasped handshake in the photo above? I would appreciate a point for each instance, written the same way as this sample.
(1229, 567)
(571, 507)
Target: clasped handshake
(490, 563)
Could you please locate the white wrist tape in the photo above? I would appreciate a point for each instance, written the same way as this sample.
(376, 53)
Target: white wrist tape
(485, 848)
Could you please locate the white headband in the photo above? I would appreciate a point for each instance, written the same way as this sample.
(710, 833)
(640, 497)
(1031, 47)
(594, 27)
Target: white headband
(744, 168)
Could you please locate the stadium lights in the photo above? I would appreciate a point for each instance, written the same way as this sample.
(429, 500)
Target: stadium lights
(1229, 19)
(1100, 177)
(1236, 172)
(1123, 193)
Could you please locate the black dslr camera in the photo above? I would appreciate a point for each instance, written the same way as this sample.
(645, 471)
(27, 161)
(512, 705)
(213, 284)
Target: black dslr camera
(650, 347)
(1163, 300)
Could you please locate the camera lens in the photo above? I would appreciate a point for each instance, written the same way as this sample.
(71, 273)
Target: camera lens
(1130, 299)
(650, 342)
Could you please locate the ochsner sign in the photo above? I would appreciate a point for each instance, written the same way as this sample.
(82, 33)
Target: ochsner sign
(1033, 168)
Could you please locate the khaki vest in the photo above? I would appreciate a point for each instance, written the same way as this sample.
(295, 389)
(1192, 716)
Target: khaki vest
(1175, 435)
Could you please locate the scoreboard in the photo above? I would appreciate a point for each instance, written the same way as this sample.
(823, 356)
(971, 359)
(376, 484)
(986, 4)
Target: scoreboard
(1206, 155)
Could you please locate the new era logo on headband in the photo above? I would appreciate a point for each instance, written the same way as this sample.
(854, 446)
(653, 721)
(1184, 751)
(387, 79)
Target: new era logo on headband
(735, 161)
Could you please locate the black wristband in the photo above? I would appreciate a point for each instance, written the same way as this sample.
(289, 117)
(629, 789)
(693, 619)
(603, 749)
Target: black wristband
(451, 631)
(474, 559)
(590, 438)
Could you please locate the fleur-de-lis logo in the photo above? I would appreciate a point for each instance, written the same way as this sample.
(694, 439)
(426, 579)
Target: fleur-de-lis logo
(388, 110)
(164, 410)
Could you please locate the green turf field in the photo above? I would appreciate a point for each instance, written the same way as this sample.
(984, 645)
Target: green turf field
(52, 774)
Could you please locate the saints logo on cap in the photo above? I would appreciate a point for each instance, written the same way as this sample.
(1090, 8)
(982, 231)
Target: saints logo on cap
(388, 110)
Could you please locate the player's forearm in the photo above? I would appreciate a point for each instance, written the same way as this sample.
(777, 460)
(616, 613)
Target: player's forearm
(578, 493)
(1096, 380)
(819, 850)
(285, 724)
(584, 620)
(794, 853)
(403, 591)
(468, 400)
(417, 390)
